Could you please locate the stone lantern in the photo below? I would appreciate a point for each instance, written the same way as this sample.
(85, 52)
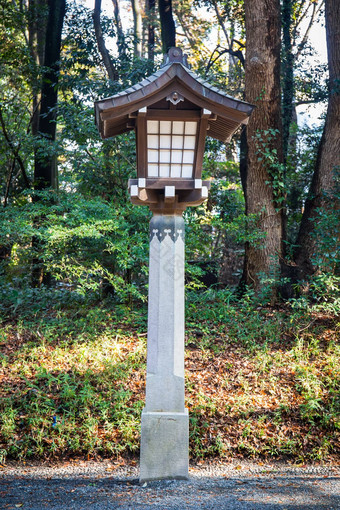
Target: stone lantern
(172, 111)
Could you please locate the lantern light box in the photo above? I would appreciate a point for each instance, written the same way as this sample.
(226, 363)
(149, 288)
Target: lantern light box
(172, 111)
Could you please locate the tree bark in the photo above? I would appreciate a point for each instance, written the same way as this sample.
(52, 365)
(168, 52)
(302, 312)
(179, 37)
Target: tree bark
(328, 158)
(110, 69)
(264, 143)
(168, 32)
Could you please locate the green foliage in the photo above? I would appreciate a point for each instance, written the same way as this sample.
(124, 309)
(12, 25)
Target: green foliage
(309, 81)
(326, 230)
(90, 168)
(323, 295)
(299, 171)
(89, 244)
(268, 156)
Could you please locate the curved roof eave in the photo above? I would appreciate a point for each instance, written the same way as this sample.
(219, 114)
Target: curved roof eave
(141, 94)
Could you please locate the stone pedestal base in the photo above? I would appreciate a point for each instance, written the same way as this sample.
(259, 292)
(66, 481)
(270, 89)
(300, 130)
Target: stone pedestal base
(164, 446)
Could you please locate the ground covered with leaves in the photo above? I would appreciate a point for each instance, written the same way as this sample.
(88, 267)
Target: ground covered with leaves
(260, 381)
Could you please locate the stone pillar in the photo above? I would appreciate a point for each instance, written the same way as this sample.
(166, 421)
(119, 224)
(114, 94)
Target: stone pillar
(165, 421)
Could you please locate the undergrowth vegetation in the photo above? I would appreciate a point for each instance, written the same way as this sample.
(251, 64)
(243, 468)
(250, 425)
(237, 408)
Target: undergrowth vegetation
(260, 381)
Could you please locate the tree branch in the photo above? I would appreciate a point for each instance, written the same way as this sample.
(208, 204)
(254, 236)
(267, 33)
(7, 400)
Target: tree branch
(315, 12)
(14, 150)
(305, 37)
(308, 101)
(184, 27)
(110, 69)
(8, 183)
(221, 22)
(237, 53)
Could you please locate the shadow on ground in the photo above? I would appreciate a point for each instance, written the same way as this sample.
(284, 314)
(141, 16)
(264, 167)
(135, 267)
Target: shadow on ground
(235, 492)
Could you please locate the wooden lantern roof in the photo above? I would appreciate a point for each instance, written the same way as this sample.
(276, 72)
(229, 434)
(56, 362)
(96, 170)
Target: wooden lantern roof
(173, 86)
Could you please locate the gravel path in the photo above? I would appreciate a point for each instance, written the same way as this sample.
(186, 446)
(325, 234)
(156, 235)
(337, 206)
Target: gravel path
(234, 486)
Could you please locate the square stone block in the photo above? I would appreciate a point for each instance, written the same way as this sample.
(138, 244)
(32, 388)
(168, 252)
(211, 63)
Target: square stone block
(164, 446)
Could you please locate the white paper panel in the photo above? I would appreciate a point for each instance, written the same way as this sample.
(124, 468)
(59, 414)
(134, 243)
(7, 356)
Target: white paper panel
(164, 170)
(176, 170)
(189, 142)
(152, 126)
(190, 128)
(188, 156)
(176, 156)
(177, 142)
(152, 156)
(152, 170)
(165, 127)
(164, 156)
(165, 141)
(187, 171)
(178, 127)
(152, 141)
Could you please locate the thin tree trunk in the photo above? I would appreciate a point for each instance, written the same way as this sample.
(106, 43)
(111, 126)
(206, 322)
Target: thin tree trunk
(168, 32)
(110, 69)
(151, 18)
(120, 34)
(243, 160)
(262, 88)
(137, 28)
(8, 181)
(328, 158)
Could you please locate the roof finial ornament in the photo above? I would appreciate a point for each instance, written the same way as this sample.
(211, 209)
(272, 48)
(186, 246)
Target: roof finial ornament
(175, 55)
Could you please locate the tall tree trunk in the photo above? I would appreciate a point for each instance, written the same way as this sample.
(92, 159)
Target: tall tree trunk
(110, 69)
(168, 31)
(150, 8)
(37, 20)
(137, 28)
(264, 151)
(45, 167)
(328, 158)
(288, 94)
(287, 74)
(45, 170)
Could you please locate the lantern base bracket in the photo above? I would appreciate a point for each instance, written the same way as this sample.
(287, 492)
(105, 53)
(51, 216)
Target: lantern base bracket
(168, 196)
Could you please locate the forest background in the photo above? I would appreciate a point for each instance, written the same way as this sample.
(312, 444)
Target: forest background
(262, 362)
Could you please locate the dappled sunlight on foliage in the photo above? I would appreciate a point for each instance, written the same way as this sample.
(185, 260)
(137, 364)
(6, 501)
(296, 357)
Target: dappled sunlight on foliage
(261, 381)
